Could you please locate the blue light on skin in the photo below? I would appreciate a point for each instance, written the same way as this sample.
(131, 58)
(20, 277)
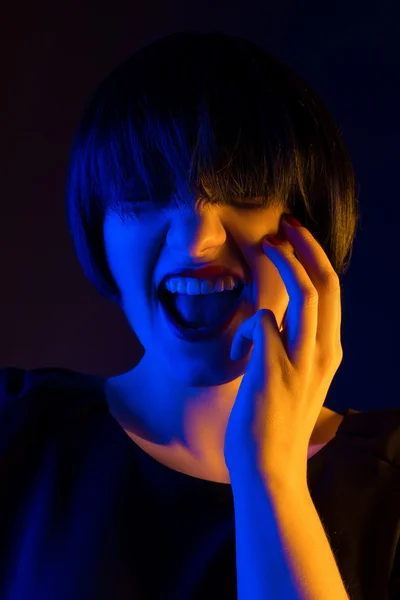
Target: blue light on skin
(175, 403)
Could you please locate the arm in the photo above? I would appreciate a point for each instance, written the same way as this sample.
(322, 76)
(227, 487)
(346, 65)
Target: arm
(282, 552)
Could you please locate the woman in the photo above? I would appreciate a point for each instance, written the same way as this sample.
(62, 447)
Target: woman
(220, 175)
(203, 456)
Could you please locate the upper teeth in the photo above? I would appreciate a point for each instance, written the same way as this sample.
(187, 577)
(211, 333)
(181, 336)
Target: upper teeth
(192, 286)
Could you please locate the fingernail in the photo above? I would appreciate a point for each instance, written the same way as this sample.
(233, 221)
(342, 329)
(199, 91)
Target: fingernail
(273, 239)
(292, 220)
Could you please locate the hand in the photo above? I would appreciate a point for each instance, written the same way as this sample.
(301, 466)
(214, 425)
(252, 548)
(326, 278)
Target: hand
(288, 374)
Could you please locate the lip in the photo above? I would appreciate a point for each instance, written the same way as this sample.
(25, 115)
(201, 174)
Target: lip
(204, 333)
(205, 273)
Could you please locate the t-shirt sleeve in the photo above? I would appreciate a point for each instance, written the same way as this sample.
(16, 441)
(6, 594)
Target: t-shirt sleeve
(394, 586)
(12, 383)
(28, 401)
(393, 457)
(15, 406)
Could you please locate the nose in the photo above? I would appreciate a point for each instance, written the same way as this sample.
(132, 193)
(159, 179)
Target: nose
(199, 236)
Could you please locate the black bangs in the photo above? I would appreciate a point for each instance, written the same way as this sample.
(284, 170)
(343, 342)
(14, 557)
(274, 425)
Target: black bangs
(199, 116)
(206, 117)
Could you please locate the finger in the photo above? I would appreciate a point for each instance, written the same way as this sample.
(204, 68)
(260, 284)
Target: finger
(324, 279)
(302, 311)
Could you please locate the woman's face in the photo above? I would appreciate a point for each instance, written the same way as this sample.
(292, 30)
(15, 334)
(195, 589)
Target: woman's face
(142, 249)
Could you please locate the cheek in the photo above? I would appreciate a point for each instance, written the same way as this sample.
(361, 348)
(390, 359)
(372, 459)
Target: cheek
(122, 269)
(127, 255)
(269, 289)
(134, 275)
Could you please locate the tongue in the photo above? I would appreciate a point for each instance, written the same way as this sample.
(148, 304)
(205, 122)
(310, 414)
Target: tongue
(204, 310)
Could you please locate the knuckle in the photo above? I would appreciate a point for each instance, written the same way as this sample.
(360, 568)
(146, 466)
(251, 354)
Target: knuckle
(330, 360)
(310, 296)
(331, 281)
(340, 354)
(326, 361)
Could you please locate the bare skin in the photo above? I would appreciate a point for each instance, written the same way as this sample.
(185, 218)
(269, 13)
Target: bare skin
(175, 403)
(204, 458)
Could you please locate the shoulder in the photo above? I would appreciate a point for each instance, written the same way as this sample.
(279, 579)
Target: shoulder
(17, 383)
(34, 398)
(375, 432)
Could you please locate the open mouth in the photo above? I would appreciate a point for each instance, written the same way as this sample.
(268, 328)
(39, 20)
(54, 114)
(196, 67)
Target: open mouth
(201, 316)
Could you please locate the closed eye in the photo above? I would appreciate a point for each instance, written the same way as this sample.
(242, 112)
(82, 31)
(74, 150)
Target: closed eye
(244, 206)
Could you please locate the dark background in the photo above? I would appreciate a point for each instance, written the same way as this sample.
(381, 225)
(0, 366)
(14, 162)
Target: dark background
(54, 53)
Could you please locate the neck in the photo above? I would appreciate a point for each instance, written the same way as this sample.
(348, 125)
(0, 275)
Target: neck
(184, 428)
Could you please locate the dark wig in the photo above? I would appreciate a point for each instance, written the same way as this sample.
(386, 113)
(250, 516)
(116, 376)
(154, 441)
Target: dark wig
(219, 117)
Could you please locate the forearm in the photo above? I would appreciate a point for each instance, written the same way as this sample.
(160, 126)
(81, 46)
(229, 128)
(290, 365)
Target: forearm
(282, 552)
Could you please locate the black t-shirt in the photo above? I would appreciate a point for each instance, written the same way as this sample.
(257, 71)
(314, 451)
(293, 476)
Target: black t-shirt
(85, 514)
